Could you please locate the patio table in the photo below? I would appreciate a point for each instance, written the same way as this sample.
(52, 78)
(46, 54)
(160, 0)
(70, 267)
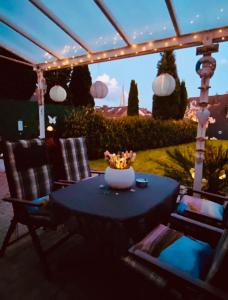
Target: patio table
(132, 212)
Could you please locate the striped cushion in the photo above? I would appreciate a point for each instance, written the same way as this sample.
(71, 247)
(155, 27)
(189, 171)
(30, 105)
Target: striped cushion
(75, 160)
(157, 240)
(201, 206)
(32, 181)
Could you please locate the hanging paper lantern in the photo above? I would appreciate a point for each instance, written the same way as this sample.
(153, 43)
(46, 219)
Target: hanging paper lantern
(164, 85)
(99, 89)
(57, 93)
(202, 116)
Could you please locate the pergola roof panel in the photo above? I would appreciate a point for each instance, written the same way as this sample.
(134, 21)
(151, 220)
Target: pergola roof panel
(194, 16)
(75, 32)
(12, 40)
(87, 21)
(27, 17)
(143, 20)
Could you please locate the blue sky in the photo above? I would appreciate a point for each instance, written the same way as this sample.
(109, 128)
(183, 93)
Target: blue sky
(143, 70)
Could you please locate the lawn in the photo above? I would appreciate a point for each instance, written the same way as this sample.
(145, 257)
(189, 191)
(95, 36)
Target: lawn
(148, 161)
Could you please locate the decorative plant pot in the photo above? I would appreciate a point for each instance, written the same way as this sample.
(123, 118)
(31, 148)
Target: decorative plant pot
(119, 179)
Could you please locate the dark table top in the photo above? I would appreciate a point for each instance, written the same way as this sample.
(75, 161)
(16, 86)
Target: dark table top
(88, 197)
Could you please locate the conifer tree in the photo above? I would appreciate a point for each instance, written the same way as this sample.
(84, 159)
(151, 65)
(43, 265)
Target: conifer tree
(79, 87)
(133, 101)
(167, 107)
(183, 100)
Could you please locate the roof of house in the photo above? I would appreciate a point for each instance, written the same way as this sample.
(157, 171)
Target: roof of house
(120, 111)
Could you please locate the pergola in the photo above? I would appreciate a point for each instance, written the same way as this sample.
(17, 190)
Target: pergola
(50, 35)
(54, 34)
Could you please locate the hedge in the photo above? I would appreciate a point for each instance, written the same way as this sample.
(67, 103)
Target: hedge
(127, 133)
(13, 110)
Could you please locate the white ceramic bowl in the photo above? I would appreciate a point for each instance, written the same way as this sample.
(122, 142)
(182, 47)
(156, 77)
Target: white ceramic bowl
(119, 179)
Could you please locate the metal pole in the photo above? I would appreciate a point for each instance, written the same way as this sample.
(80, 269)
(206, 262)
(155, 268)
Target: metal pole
(41, 89)
(206, 72)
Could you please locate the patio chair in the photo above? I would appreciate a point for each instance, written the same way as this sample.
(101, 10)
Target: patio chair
(206, 207)
(30, 182)
(181, 265)
(75, 160)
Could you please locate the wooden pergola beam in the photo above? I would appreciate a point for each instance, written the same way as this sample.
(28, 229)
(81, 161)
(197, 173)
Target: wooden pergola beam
(173, 17)
(172, 43)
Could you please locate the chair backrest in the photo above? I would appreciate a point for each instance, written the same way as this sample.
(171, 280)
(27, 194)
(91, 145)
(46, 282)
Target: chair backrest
(27, 169)
(75, 159)
(218, 272)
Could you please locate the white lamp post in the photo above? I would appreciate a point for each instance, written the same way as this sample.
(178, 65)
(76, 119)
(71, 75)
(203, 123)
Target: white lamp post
(206, 72)
(41, 90)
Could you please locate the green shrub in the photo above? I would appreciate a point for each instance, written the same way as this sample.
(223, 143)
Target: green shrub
(215, 164)
(127, 133)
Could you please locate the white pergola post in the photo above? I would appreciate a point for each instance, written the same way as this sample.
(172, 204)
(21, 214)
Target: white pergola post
(41, 89)
(206, 72)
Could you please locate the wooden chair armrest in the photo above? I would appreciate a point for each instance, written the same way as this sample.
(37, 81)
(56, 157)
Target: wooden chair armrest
(177, 276)
(195, 228)
(96, 172)
(63, 183)
(22, 202)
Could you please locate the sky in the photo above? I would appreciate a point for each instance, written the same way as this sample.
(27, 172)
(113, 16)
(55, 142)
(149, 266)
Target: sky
(143, 69)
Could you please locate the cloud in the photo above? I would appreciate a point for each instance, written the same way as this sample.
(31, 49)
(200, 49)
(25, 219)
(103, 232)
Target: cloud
(224, 61)
(115, 91)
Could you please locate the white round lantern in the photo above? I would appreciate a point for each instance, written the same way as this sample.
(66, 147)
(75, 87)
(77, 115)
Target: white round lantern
(203, 116)
(57, 93)
(99, 90)
(164, 85)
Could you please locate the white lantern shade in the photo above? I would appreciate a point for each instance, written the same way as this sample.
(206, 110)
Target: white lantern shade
(99, 89)
(164, 85)
(57, 93)
(203, 116)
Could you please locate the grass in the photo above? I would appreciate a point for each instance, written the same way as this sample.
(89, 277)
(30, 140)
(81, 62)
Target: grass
(148, 161)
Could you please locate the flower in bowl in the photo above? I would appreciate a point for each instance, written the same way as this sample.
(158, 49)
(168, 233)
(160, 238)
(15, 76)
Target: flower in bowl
(121, 160)
(120, 174)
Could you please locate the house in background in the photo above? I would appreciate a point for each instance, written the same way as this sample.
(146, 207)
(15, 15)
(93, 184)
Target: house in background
(218, 107)
(120, 111)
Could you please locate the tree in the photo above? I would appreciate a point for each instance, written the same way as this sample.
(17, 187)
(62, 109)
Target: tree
(18, 81)
(168, 107)
(79, 87)
(183, 100)
(133, 101)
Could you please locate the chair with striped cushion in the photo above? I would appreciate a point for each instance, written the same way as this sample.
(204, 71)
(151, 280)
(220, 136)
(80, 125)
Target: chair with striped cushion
(75, 159)
(30, 181)
(177, 261)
